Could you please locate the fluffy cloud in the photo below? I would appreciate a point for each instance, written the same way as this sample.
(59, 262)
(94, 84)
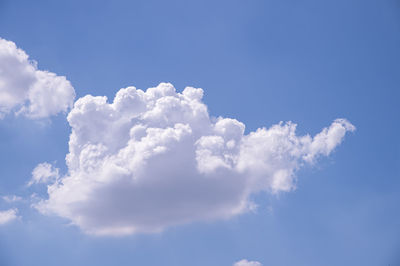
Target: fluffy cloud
(155, 158)
(27, 90)
(247, 263)
(8, 216)
(44, 173)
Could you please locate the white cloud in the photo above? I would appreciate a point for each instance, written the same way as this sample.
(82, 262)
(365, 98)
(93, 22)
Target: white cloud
(153, 159)
(27, 90)
(44, 173)
(8, 216)
(247, 263)
(11, 198)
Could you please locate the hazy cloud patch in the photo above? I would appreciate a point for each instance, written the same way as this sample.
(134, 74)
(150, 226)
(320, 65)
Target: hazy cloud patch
(8, 216)
(44, 173)
(247, 263)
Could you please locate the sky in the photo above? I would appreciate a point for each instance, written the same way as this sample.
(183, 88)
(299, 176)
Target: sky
(150, 133)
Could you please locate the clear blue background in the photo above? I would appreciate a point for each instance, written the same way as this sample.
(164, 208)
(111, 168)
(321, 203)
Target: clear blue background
(260, 61)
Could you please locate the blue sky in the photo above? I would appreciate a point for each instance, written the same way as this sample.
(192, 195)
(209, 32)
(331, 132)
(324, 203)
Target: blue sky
(259, 62)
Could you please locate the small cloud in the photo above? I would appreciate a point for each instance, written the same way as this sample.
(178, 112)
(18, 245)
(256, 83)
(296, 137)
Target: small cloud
(247, 263)
(44, 173)
(11, 198)
(8, 216)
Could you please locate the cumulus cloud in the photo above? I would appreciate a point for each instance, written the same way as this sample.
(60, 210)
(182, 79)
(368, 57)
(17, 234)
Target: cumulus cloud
(247, 263)
(44, 173)
(153, 159)
(27, 90)
(8, 216)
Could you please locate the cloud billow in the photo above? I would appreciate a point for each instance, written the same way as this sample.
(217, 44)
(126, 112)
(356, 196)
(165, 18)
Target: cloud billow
(28, 91)
(153, 159)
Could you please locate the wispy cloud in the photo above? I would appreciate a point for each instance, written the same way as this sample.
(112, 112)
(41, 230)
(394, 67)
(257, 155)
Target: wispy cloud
(44, 173)
(247, 263)
(11, 198)
(8, 216)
